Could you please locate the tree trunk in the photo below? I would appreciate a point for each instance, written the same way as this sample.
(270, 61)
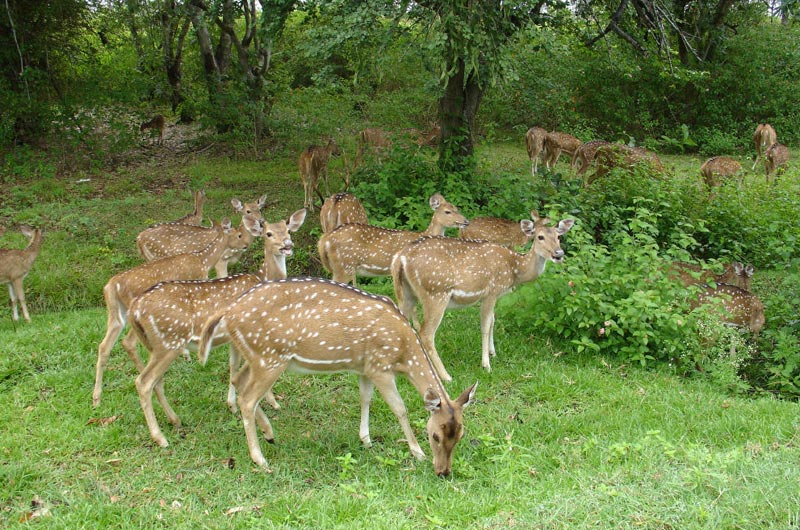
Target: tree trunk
(458, 107)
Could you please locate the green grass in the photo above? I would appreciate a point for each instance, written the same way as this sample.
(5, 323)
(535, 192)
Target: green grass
(555, 440)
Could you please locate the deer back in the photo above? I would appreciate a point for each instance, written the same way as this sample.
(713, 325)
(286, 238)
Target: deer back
(501, 231)
(341, 208)
(719, 167)
(534, 141)
(16, 263)
(738, 307)
(562, 141)
(586, 153)
(734, 273)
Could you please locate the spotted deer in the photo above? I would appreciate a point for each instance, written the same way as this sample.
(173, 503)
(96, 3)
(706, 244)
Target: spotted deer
(171, 239)
(735, 306)
(585, 155)
(717, 168)
(735, 273)
(168, 317)
(15, 264)
(501, 231)
(612, 156)
(311, 325)
(534, 144)
(195, 217)
(366, 250)
(775, 158)
(556, 143)
(372, 139)
(444, 273)
(156, 124)
(339, 209)
(313, 164)
(122, 288)
(763, 138)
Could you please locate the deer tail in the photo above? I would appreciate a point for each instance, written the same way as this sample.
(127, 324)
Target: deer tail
(207, 336)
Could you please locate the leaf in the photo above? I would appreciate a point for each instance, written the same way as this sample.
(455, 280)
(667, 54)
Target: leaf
(103, 421)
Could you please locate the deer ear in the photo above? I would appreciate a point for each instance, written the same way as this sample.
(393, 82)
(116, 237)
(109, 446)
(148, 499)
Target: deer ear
(564, 225)
(296, 220)
(253, 225)
(527, 227)
(535, 216)
(225, 224)
(738, 268)
(432, 400)
(262, 201)
(749, 270)
(436, 200)
(237, 205)
(467, 397)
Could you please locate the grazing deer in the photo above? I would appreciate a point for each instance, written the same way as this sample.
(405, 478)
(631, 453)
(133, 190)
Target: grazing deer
(313, 165)
(534, 144)
(372, 139)
(340, 209)
(764, 137)
(170, 239)
(556, 143)
(445, 273)
(734, 273)
(168, 317)
(501, 231)
(156, 123)
(122, 288)
(616, 155)
(738, 307)
(366, 250)
(15, 265)
(717, 168)
(196, 216)
(585, 155)
(775, 158)
(311, 325)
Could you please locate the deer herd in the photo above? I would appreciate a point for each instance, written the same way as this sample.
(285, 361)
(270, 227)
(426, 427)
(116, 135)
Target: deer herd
(273, 323)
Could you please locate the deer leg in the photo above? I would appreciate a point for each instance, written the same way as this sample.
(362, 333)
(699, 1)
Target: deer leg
(406, 301)
(13, 295)
(387, 386)
(113, 330)
(152, 377)
(433, 312)
(487, 333)
(261, 418)
(365, 389)
(251, 387)
(21, 297)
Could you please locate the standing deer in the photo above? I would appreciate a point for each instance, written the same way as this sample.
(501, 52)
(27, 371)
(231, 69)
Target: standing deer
(313, 165)
(534, 144)
(737, 306)
(339, 209)
(775, 158)
(171, 239)
(717, 168)
(15, 265)
(585, 155)
(366, 250)
(311, 325)
(372, 139)
(196, 216)
(122, 288)
(156, 123)
(447, 273)
(734, 273)
(763, 137)
(556, 143)
(501, 231)
(168, 317)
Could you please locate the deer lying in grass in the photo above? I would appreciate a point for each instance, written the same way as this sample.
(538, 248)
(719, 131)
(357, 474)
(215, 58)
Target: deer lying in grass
(122, 288)
(170, 239)
(616, 155)
(310, 325)
(534, 144)
(763, 138)
(156, 124)
(366, 250)
(736, 306)
(444, 273)
(429, 137)
(734, 273)
(168, 317)
(340, 209)
(585, 155)
(501, 231)
(717, 168)
(556, 143)
(775, 158)
(372, 139)
(15, 265)
(313, 165)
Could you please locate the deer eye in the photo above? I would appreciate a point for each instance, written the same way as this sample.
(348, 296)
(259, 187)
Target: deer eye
(541, 238)
(269, 234)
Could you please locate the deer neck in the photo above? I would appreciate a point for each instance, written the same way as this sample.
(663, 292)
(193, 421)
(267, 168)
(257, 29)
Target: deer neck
(36, 244)
(528, 266)
(214, 251)
(273, 268)
(434, 229)
(422, 374)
